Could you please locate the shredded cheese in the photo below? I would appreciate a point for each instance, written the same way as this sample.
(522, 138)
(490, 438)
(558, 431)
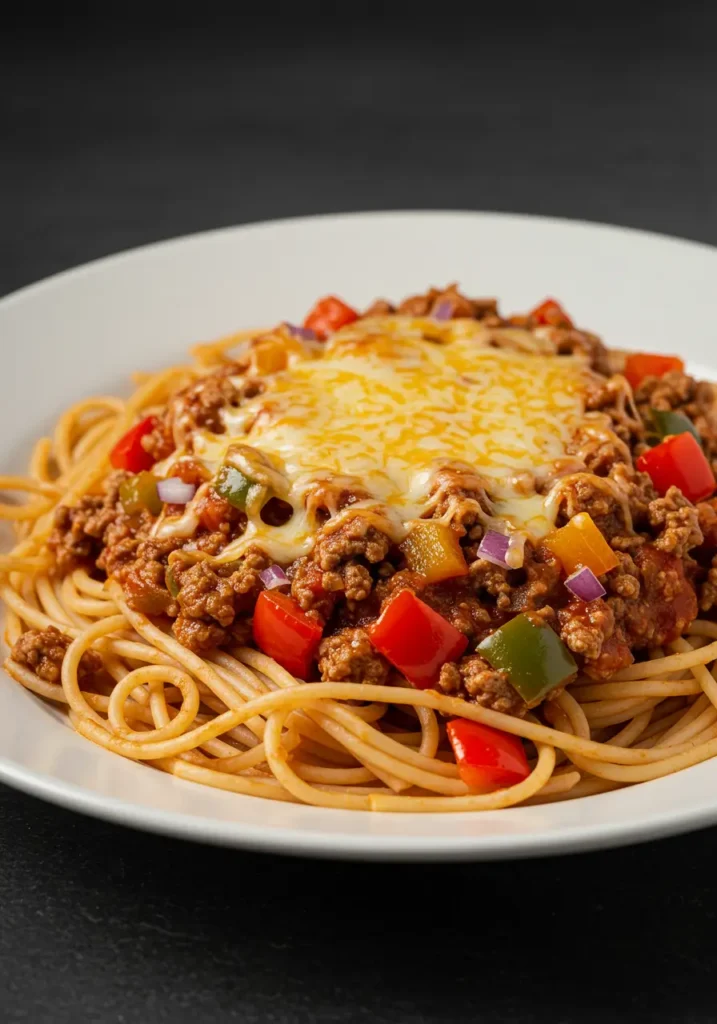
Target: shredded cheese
(389, 401)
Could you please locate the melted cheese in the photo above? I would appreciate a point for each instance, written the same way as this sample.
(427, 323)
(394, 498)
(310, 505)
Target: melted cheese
(384, 405)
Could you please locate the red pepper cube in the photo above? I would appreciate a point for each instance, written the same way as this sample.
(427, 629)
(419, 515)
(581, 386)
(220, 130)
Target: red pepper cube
(550, 313)
(328, 315)
(487, 758)
(639, 365)
(679, 462)
(284, 632)
(129, 453)
(415, 639)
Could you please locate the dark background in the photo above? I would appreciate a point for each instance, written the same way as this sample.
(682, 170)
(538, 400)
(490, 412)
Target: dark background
(112, 136)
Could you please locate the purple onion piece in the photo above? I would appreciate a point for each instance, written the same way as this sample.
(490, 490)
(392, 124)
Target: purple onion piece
(494, 548)
(302, 333)
(442, 310)
(273, 577)
(174, 491)
(585, 585)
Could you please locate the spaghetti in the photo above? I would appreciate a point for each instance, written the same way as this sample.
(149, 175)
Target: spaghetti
(232, 717)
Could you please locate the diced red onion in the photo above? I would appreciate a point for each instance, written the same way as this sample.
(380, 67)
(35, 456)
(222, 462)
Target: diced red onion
(174, 491)
(585, 585)
(273, 577)
(494, 548)
(302, 333)
(443, 310)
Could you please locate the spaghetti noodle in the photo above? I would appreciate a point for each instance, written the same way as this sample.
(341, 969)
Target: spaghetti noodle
(230, 716)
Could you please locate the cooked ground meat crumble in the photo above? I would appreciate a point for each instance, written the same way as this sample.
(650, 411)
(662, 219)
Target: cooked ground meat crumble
(43, 651)
(666, 547)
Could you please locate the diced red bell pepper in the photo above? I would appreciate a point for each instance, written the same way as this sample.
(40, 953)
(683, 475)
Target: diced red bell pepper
(284, 632)
(552, 314)
(128, 453)
(328, 315)
(639, 365)
(487, 758)
(680, 462)
(417, 640)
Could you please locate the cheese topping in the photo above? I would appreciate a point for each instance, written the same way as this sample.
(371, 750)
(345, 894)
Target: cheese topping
(389, 401)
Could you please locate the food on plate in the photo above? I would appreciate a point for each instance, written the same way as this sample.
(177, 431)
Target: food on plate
(417, 558)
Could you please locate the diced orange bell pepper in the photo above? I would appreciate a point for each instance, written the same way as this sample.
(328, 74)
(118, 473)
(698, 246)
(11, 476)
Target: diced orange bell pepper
(432, 549)
(639, 365)
(580, 543)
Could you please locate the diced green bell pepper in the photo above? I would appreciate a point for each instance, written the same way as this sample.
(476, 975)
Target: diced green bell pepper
(140, 492)
(171, 581)
(668, 423)
(236, 488)
(532, 654)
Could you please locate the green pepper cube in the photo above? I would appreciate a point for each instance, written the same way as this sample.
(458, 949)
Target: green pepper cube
(171, 581)
(667, 423)
(140, 492)
(235, 487)
(532, 654)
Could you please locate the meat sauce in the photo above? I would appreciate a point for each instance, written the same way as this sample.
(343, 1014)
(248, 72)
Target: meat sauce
(665, 545)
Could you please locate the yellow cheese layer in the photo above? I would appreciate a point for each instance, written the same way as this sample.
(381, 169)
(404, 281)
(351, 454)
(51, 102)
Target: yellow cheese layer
(382, 404)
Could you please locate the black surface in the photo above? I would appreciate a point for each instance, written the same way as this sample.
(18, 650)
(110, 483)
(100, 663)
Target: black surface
(108, 141)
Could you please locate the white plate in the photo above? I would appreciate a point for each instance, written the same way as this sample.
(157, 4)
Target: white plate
(83, 332)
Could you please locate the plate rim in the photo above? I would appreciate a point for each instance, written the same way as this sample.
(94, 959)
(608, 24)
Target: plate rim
(318, 842)
(333, 845)
(101, 262)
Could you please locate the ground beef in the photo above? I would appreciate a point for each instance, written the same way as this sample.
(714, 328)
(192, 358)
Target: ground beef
(675, 522)
(199, 406)
(348, 656)
(667, 603)
(210, 599)
(460, 306)
(597, 496)
(80, 531)
(474, 680)
(624, 581)
(570, 341)
(538, 583)
(586, 626)
(197, 635)
(354, 579)
(308, 590)
(457, 494)
(612, 395)
(678, 391)
(380, 308)
(707, 518)
(354, 537)
(43, 651)
(598, 450)
(650, 602)
(140, 567)
(205, 595)
(319, 592)
(457, 602)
